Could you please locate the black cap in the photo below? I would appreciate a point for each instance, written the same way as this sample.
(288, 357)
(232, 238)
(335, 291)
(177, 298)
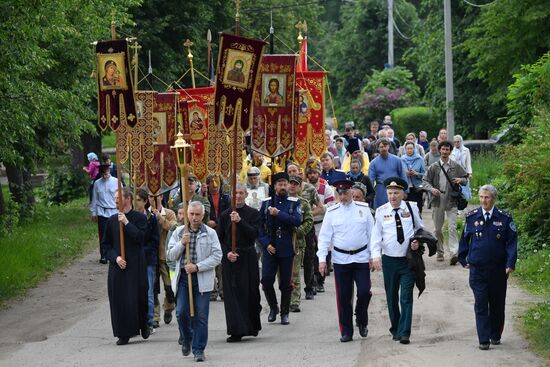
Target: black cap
(104, 167)
(279, 176)
(296, 179)
(353, 145)
(342, 185)
(396, 183)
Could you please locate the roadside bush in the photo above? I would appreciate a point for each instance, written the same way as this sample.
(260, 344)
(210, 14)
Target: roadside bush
(10, 219)
(524, 183)
(63, 183)
(415, 119)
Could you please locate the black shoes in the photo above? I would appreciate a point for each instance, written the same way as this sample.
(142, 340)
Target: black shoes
(103, 260)
(320, 288)
(454, 260)
(404, 340)
(273, 311)
(309, 295)
(484, 346)
(155, 324)
(495, 341)
(234, 339)
(167, 317)
(346, 338)
(185, 348)
(199, 357)
(122, 341)
(284, 319)
(363, 330)
(396, 338)
(294, 308)
(145, 332)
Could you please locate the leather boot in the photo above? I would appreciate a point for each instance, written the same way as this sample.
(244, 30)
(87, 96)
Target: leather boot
(285, 306)
(271, 298)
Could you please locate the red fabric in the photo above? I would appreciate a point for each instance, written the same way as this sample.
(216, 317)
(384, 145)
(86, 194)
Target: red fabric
(216, 202)
(302, 63)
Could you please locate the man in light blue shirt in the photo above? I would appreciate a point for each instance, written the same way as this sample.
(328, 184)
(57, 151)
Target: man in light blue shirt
(103, 203)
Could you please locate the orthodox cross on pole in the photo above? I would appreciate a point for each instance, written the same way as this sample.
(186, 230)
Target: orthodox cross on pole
(238, 17)
(135, 47)
(301, 27)
(188, 44)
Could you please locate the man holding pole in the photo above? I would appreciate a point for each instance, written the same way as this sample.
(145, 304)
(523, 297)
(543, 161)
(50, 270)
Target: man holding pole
(201, 244)
(127, 279)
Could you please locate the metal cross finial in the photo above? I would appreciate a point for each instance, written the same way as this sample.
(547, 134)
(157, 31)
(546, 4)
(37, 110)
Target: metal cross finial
(238, 9)
(188, 44)
(301, 27)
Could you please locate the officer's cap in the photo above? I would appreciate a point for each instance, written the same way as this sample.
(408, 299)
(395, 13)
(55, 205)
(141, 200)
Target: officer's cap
(396, 183)
(342, 185)
(192, 178)
(279, 176)
(253, 172)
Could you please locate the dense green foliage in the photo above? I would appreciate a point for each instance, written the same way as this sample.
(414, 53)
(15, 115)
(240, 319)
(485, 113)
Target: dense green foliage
(64, 183)
(415, 119)
(55, 236)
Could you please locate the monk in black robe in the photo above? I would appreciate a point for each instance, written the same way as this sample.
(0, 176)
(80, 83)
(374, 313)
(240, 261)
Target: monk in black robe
(241, 276)
(127, 280)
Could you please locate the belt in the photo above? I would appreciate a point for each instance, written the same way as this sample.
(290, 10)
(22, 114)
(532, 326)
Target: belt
(317, 222)
(351, 252)
(279, 232)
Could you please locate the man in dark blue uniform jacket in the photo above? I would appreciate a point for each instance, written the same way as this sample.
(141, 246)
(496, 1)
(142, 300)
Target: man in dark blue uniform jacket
(488, 247)
(279, 216)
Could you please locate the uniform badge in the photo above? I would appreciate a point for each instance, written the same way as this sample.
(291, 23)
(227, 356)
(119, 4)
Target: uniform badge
(481, 223)
(497, 224)
(361, 213)
(498, 236)
(513, 226)
(406, 214)
(476, 223)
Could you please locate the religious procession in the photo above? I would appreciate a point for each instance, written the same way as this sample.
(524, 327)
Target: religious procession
(235, 210)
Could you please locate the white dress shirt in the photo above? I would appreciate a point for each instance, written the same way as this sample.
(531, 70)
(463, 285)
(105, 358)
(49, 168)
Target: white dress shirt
(103, 198)
(347, 227)
(384, 234)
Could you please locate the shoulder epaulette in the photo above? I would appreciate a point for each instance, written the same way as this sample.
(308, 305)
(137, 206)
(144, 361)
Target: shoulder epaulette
(332, 207)
(361, 203)
(293, 198)
(266, 199)
(504, 213)
(471, 212)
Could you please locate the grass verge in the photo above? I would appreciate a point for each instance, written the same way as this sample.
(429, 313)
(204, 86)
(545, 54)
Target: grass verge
(53, 237)
(108, 141)
(533, 273)
(485, 167)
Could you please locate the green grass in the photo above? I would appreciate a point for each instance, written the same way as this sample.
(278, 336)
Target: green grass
(533, 274)
(485, 167)
(108, 141)
(51, 239)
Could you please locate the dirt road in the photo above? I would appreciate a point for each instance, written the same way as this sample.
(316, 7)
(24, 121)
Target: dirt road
(65, 322)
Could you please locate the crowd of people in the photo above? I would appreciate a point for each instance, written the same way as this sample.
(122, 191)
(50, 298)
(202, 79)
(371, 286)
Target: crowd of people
(356, 209)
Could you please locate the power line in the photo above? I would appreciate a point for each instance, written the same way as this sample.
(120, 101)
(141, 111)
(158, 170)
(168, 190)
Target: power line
(479, 5)
(399, 32)
(282, 6)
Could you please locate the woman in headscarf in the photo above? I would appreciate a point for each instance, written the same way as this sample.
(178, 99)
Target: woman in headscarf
(415, 171)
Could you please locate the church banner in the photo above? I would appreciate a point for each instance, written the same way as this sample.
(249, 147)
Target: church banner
(116, 103)
(198, 102)
(274, 100)
(310, 129)
(161, 174)
(238, 63)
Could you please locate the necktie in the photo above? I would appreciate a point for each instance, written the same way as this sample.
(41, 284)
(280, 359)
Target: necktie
(487, 216)
(399, 226)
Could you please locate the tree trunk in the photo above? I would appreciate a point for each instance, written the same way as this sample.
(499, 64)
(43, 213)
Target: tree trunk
(91, 142)
(2, 205)
(19, 181)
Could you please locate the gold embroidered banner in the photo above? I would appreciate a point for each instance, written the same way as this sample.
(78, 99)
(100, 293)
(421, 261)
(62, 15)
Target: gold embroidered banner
(115, 95)
(238, 63)
(310, 129)
(273, 127)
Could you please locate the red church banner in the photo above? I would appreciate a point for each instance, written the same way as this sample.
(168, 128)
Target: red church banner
(310, 129)
(238, 63)
(198, 101)
(116, 104)
(273, 115)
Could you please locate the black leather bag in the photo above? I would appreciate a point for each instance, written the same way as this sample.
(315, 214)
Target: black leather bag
(456, 193)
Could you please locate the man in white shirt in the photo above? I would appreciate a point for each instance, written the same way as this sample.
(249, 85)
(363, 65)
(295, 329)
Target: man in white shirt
(347, 229)
(394, 227)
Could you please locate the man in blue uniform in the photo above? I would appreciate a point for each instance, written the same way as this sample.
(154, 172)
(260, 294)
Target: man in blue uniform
(279, 216)
(488, 247)
(347, 228)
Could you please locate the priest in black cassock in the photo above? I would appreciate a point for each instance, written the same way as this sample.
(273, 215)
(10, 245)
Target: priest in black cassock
(127, 280)
(241, 276)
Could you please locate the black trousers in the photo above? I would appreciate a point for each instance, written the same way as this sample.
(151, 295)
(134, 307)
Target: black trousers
(309, 261)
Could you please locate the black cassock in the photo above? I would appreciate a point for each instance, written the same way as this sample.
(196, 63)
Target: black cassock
(241, 279)
(127, 288)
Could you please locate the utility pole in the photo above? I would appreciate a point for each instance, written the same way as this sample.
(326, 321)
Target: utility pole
(449, 92)
(390, 34)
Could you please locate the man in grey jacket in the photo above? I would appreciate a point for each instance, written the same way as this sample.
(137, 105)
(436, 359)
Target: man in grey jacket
(442, 203)
(206, 254)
